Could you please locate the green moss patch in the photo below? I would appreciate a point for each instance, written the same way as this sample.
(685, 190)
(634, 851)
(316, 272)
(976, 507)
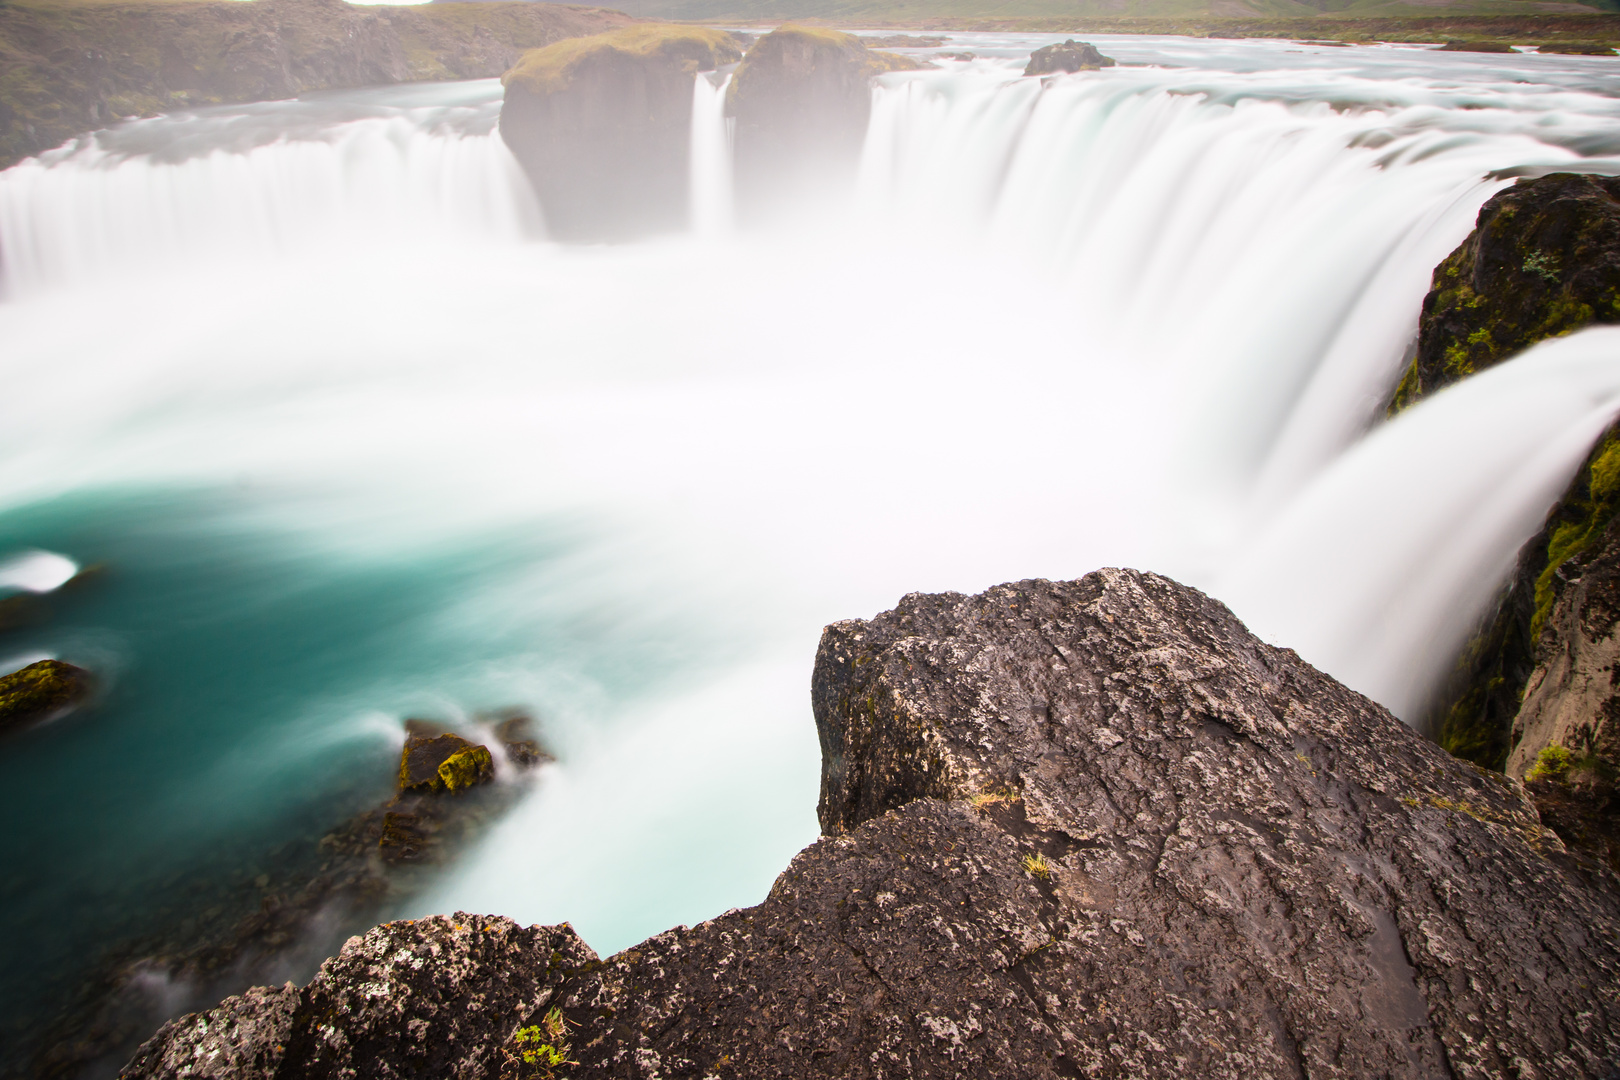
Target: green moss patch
(39, 690)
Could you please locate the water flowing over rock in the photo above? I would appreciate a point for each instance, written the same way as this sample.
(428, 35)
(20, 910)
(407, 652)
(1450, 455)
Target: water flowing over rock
(802, 99)
(1076, 828)
(1543, 260)
(602, 126)
(70, 69)
(1069, 56)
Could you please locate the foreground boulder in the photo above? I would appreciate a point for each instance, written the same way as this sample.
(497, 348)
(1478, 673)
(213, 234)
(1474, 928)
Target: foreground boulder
(1084, 828)
(602, 126)
(802, 99)
(1070, 56)
(39, 691)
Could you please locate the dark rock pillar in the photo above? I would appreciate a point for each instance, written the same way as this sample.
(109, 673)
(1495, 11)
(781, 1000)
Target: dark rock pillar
(802, 99)
(602, 127)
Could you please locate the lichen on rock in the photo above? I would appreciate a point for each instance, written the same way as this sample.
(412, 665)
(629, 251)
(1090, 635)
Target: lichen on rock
(40, 690)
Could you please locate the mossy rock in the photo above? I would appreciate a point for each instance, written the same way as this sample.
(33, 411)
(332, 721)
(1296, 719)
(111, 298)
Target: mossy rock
(39, 691)
(602, 126)
(557, 67)
(1543, 260)
(466, 769)
(1069, 56)
(420, 760)
(1477, 46)
(1577, 48)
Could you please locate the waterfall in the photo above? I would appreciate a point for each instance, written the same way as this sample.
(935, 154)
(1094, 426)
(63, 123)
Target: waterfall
(255, 183)
(711, 157)
(302, 371)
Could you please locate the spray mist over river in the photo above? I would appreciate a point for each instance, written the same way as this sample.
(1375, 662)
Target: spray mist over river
(354, 442)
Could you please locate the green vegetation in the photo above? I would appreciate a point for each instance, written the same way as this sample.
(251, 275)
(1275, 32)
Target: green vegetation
(1551, 764)
(1037, 866)
(539, 1050)
(553, 68)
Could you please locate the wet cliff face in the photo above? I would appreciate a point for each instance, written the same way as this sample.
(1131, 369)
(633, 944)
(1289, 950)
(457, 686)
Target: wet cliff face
(1084, 828)
(71, 66)
(1543, 260)
(602, 127)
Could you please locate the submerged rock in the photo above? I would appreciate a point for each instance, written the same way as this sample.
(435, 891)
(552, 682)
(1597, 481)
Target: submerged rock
(40, 690)
(602, 126)
(517, 737)
(1072, 55)
(1081, 828)
(802, 99)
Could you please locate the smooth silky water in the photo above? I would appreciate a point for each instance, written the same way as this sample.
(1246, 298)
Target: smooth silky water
(344, 440)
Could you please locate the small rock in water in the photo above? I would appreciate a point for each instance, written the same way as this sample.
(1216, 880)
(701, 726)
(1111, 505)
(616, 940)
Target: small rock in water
(1072, 55)
(423, 755)
(517, 738)
(40, 690)
(467, 768)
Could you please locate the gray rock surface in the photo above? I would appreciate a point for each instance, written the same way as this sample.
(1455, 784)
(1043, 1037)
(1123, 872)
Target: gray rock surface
(1089, 828)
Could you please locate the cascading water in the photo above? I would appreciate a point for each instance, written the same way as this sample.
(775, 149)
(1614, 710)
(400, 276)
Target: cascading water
(352, 444)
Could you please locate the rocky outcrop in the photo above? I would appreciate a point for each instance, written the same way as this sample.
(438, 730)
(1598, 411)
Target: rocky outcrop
(69, 68)
(602, 125)
(1543, 260)
(1084, 828)
(802, 99)
(39, 691)
(1069, 56)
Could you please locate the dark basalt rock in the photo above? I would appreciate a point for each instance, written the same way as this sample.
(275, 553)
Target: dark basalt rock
(1463, 45)
(602, 126)
(1083, 828)
(1071, 55)
(802, 99)
(40, 690)
(1543, 260)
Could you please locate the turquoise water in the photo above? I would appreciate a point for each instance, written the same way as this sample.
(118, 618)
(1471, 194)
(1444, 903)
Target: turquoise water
(250, 692)
(344, 443)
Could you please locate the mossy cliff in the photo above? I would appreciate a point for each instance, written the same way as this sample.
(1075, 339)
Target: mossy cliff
(602, 127)
(70, 66)
(1543, 260)
(1088, 828)
(802, 99)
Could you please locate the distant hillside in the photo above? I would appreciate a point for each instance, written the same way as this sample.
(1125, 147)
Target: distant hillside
(70, 66)
(1081, 13)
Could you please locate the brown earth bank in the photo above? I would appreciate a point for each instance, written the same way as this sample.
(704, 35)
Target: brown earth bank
(1517, 29)
(71, 66)
(1087, 828)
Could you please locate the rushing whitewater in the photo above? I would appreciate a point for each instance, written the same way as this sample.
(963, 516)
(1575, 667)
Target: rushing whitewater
(355, 443)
